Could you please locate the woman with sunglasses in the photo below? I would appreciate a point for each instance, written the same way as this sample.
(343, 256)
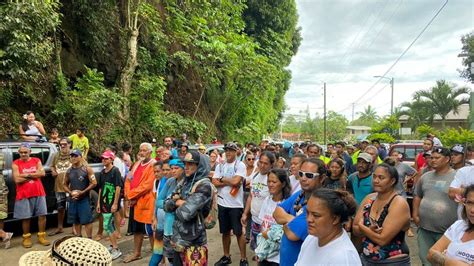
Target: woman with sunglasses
(382, 220)
(251, 170)
(328, 243)
(291, 213)
(456, 246)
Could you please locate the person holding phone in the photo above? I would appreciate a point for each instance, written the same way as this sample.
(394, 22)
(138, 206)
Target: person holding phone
(382, 220)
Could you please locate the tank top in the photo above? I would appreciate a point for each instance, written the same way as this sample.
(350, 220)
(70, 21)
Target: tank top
(32, 188)
(32, 130)
(374, 251)
(78, 179)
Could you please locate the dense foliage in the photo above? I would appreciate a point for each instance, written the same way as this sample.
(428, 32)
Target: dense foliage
(136, 69)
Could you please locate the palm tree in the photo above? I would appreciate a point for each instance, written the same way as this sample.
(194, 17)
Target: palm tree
(444, 98)
(369, 114)
(418, 112)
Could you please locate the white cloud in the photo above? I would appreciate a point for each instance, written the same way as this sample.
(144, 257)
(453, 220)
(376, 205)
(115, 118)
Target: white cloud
(347, 42)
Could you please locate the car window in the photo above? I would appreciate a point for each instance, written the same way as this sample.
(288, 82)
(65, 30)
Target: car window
(410, 153)
(41, 153)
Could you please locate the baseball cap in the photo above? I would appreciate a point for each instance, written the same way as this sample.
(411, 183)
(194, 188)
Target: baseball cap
(70, 249)
(202, 147)
(176, 162)
(365, 140)
(108, 155)
(76, 152)
(230, 146)
(192, 157)
(458, 148)
(442, 150)
(365, 156)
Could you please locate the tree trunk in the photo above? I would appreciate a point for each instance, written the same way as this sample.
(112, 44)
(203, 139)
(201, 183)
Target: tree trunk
(443, 122)
(127, 73)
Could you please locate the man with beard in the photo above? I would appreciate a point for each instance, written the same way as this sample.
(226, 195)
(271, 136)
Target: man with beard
(433, 210)
(360, 183)
(61, 163)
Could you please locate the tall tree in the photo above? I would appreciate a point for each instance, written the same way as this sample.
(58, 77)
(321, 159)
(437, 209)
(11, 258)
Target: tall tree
(444, 98)
(467, 52)
(418, 112)
(366, 118)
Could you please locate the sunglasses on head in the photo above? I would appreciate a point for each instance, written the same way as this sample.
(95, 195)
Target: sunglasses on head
(308, 174)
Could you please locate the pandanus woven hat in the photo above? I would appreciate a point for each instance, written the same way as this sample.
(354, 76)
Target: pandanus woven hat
(70, 250)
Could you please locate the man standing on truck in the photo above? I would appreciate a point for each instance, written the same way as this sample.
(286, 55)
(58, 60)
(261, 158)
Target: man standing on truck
(59, 167)
(30, 197)
(78, 182)
(80, 142)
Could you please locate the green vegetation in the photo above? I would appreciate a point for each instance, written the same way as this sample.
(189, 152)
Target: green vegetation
(136, 69)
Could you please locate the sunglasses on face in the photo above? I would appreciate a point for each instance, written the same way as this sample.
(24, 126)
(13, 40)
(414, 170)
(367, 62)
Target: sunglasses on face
(73, 156)
(250, 159)
(63, 144)
(308, 175)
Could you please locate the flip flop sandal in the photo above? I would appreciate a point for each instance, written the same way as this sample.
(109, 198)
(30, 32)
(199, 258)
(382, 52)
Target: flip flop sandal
(131, 258)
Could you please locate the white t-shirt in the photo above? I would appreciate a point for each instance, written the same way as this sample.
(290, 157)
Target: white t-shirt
(259, 191)
(457, 249)
(266, 216)
(120, 165)
(463, 178)
(225, 199)
(340, 251)
(295, 184)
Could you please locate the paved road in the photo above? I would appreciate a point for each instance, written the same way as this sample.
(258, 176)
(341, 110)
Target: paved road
(12, 255)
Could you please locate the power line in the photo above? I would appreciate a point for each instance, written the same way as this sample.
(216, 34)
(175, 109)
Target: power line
(404, 52)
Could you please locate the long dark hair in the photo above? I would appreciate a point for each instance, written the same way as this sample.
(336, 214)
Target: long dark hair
(470, 226)
(24, 123)
(283, 177)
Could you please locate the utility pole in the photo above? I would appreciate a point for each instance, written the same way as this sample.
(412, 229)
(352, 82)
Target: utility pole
(471, 110)
(353, 108)
(391, 101)
(325, 116)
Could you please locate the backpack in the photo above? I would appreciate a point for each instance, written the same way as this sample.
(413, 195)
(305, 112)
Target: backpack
(211, 219)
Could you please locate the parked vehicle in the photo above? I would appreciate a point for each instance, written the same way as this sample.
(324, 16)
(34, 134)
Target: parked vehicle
(45, 151)
(409, 150)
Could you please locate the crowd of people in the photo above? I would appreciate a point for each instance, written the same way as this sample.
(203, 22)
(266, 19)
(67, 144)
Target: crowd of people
(297, 205)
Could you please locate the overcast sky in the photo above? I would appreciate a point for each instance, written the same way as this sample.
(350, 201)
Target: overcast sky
(347, 42)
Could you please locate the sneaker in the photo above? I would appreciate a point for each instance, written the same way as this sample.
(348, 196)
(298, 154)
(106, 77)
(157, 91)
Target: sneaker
(244, 263)
(7, 239)
(116, 253)
(109, 248)
(223, 261)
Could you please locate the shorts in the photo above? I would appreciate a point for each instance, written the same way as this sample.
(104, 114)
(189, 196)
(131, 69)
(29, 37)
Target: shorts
(79, 212)
(27, 208)
(255, 229)
(138, 227)
(109, 226)
(229, 219)
(60, 200)
(168, 250)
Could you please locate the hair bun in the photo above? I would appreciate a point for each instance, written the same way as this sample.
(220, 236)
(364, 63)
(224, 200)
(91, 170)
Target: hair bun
(348, 200)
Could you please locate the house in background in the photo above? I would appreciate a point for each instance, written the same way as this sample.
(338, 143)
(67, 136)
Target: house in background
(356, 132)
(459, 119)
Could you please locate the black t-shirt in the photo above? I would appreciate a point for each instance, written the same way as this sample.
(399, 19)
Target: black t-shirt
(108, 181)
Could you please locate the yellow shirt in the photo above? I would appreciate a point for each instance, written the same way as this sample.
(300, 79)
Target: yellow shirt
(79, 143)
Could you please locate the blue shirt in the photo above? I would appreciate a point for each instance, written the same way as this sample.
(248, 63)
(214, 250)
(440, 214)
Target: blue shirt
(360, 187)
(289, 250)
(166, 217)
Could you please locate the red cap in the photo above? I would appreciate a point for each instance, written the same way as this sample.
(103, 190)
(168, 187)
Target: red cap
(108, 155)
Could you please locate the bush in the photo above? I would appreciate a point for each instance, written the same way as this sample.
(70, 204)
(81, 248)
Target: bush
(382, 137)
(457, 136)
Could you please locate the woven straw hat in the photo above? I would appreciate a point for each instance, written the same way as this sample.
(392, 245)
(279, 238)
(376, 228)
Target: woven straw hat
(69, 250)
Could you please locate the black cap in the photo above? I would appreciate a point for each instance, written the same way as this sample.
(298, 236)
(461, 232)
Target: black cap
(458, 148)
(192, 157)
(231, 146)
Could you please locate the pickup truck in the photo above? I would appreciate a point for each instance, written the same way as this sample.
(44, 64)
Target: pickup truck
(45, 151)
